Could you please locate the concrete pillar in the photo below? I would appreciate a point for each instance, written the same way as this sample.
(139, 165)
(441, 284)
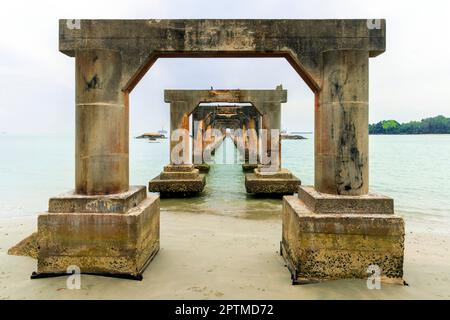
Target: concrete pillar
(206, 130)
(271, 119)
(198, 140)
(252, 145)
(179, 133)
(244, 141)
(101, 141)
(207, 142)
(258, 132)
(341, 124)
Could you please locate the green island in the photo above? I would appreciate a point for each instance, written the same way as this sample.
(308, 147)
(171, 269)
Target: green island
(433, 125)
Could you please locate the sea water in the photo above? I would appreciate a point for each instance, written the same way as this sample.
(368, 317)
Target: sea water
(413, 169)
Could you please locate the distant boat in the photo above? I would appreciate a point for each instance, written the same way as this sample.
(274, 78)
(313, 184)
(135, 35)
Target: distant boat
(151, 136)
(292, 137)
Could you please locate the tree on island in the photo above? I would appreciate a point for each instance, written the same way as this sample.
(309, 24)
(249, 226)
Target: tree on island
(437, 125)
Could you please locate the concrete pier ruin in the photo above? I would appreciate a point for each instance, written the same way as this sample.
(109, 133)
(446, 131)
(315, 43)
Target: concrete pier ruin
(335, 229)
(208, 118)
(267, 178)
(338, 229)
(180, 177)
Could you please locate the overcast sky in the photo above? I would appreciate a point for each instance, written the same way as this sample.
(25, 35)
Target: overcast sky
(410, 81)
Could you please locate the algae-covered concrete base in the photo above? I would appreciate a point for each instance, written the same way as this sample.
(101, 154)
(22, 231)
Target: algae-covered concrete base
(178, 180)
(279, 182)
(115, 235)
(322, 245)
(99, 243)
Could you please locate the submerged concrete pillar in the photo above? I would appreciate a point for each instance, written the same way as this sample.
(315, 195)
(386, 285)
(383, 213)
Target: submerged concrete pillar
(269, 178)
(180, 177)
(101, 142)
(179, 133)
(341, 124)
(251, 145)
(271, 120)
(258, 137)
(252, 139)
(197, 141)
(244, 141)
(207, 140)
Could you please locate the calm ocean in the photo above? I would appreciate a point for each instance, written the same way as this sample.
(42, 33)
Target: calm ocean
(413, 169)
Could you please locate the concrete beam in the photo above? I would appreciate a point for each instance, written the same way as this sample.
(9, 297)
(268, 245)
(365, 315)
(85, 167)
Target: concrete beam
(301, 42)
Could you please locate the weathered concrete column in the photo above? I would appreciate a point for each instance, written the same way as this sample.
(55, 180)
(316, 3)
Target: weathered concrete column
(204, 140)
(341, 124)
(269, 177)
(271, 119)
(180, 177)
(215, 136)
(207, 142)
(258, 137)
(105, 226)
(101, 147)
(244, 140)
(252, 145)
(198, 141)
(179, 133)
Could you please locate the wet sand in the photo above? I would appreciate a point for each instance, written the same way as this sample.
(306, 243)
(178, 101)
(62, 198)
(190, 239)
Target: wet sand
(206, 256)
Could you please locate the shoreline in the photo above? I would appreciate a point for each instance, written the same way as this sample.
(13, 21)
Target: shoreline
(220, 257)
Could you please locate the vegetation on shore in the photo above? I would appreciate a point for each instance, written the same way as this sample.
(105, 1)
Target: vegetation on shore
(436, 125)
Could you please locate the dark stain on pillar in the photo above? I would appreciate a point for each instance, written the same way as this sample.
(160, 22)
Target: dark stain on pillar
(349, 163)
(338, 79)
(349, 174)
(92, 84)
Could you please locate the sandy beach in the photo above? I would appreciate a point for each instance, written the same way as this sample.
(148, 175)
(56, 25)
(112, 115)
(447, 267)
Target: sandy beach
(206, 256)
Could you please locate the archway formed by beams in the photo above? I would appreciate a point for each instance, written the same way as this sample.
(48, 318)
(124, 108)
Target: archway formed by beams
(332, 57)
(184, 101)
(243, 118)
(181, 177)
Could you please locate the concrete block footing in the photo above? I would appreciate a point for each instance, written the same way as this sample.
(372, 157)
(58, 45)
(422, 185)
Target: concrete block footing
(271, 183)
(370, 203)
(101, 243)
(325, 246)
(176, 181)
(179, 168)
(117, 203)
